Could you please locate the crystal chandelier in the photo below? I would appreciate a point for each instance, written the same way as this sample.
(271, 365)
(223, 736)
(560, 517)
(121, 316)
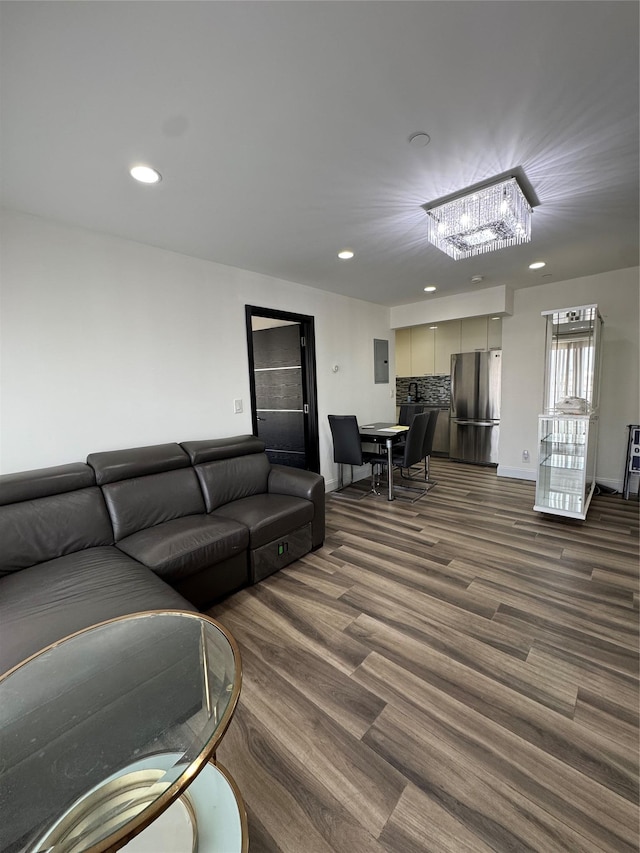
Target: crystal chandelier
(483, 220)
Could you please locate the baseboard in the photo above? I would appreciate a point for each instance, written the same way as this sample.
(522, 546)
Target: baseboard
(610, 483)
(516, 473)
(359, 473)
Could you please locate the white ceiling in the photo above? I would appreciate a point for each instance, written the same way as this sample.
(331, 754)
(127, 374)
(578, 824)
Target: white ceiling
(281, 128)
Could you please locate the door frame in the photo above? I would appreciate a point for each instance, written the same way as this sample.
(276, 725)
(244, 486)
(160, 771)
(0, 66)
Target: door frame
(309, 388)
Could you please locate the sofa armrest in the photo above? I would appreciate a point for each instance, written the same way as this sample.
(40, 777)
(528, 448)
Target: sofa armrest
(301, 484)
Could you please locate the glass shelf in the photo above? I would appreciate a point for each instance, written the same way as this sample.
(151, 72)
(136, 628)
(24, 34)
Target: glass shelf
(565, 438)
(563, 460)
(565, 502)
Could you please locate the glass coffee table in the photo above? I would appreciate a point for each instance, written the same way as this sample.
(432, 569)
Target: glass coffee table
(108, 739)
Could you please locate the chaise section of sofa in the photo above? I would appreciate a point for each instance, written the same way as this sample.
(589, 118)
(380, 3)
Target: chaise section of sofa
(282, 508)
(59, 569)
(159, 519)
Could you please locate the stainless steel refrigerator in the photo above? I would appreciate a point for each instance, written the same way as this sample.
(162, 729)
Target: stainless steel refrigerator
(474, 425)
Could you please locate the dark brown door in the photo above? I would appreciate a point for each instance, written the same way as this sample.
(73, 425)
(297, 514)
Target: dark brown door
(282, 374)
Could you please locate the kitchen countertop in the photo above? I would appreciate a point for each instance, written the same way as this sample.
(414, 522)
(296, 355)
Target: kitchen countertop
(440, 406)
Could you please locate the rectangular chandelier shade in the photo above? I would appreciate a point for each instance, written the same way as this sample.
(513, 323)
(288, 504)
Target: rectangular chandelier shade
(483, 220)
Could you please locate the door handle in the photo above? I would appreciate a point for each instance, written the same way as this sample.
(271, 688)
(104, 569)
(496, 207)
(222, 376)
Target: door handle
(258, 418)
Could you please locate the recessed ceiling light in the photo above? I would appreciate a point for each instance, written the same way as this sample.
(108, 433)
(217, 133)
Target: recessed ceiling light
(537, 265)
(430, 288)
(476, 279)
(345, 254)
(145, 174)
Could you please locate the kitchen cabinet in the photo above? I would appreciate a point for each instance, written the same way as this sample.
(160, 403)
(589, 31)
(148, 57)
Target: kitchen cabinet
(422, 350)
(426, 350)
(494, 333)
(473, 334)
(447, 342)
(480, 333)
(403, 352)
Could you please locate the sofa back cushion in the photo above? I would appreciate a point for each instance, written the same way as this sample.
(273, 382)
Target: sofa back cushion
(145, 486)
(146, 501)
(49, 513)
(228, 480)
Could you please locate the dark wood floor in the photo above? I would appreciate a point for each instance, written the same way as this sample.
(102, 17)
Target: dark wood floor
(456, 674)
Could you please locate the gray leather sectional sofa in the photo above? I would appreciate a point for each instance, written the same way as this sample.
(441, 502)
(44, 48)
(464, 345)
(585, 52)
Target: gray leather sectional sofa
(161, 527)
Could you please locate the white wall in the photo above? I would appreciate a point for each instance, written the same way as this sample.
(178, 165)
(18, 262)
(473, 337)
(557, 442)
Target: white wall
(107, 343)
(617, 296)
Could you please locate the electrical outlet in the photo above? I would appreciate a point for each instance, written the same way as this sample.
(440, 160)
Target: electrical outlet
(237, 407)
(525, 455)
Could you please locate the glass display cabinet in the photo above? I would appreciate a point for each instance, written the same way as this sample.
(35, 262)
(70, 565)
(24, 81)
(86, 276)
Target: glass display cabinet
(568, 426)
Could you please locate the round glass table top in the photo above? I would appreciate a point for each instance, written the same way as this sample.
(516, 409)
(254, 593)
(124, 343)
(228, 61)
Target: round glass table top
(80, 718)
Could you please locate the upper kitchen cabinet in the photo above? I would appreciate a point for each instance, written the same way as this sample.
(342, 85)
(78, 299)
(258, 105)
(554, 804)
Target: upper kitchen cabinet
(423, 350)
(448, 339)
(403, 352)
(480, 333)
(473, 334)
(427, 349)
(494, 333)
(415, 351)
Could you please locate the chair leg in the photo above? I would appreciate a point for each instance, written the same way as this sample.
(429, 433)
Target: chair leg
(408, 477)
(355, 496)
(419, 491)
(375, 478)
(427, 460)
(341, 485)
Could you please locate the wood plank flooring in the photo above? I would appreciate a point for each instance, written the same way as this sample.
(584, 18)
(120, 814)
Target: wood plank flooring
(457, 674)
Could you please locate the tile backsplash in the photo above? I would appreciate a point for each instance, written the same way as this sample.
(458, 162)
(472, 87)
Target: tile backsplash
(432, 390)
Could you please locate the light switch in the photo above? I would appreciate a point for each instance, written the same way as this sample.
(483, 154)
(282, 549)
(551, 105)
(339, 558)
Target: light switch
(237, 407)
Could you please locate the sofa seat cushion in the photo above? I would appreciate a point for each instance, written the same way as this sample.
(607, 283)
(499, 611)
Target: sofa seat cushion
(44, 603)
(268, 517)
(184, 546)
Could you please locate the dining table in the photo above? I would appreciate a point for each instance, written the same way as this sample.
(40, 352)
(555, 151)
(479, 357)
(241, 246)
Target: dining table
(388, 434)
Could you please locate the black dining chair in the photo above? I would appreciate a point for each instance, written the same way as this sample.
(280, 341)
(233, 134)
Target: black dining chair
(427, 448)
(410, 453)
(407, 413)
(428, 444)
(347, 450)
